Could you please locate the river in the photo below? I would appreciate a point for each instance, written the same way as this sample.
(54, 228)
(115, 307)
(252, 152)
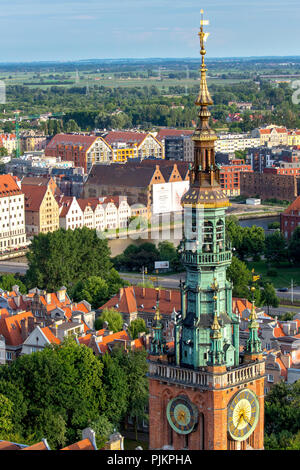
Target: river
(117, 246)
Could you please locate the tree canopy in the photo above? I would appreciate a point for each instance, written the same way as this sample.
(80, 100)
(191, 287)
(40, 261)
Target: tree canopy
(112, 317)
(66, 257)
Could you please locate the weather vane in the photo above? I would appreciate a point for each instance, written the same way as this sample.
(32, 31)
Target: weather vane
(203, 36)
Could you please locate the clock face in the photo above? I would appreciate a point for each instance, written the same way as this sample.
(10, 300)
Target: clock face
(243, 413)
(182, 415)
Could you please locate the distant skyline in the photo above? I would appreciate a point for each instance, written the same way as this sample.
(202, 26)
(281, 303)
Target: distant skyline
(68, 30)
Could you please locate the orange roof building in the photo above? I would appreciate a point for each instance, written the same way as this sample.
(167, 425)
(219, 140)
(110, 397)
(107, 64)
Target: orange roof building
(12, 227)
(290, 219)
(41, 209)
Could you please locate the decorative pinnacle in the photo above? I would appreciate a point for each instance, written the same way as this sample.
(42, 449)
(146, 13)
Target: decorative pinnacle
(253, 317)
(157, 316)
(215, 327)
(204, 98)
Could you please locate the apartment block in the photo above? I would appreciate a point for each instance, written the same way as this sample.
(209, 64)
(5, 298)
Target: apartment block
(12, 214)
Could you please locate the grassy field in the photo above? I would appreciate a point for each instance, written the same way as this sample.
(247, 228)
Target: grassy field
(285, 273)
(108, 80)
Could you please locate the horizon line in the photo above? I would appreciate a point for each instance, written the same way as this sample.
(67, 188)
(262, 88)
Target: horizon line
(62, 61)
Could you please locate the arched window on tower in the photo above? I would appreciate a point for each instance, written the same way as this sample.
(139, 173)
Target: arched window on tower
(220, 236)
(207, 237)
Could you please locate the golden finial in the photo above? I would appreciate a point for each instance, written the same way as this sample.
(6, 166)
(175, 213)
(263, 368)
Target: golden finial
(157, 316)
(215, 327)
(204, 98)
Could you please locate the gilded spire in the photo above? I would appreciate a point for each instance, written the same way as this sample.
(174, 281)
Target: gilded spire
(157, 316)
(204, 98)
(215, 327)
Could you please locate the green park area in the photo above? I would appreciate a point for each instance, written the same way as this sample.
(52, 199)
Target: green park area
(281, 275)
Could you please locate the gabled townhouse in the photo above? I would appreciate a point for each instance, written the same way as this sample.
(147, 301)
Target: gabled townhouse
(87, 213)
(290, 219)
(41, 209)
(111, 214)
(83, 150)
(104, 341)
(140, 302)
(129, 144)
(70, 212)
(14, 329)
(123, 210)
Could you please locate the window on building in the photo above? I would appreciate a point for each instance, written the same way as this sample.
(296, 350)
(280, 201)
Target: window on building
(270, 378)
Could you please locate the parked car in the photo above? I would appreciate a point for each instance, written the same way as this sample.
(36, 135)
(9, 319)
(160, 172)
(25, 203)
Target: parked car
(283, 289)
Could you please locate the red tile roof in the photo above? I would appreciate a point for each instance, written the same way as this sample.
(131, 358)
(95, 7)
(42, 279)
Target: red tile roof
(84, 141)
(8, 186)
(34, 196)
(6, 445)
(277, 331)
(50, 335)
(85, 444)
(133, 298)
(10, 328)
(283, 369)
(295, 206)
(127, 137)
(107, 340)
(239, 305)
(38, 446)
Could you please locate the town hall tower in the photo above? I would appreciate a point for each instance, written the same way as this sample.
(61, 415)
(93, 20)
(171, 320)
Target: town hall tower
(210, 396)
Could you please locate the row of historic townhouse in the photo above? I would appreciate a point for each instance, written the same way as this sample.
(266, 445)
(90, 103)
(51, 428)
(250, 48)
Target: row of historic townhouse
(47, 209)
(94, 213)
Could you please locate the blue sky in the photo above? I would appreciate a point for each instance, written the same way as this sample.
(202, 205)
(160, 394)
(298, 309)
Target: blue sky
(33, 30)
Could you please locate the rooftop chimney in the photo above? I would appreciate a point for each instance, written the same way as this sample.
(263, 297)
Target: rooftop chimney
(24, 328)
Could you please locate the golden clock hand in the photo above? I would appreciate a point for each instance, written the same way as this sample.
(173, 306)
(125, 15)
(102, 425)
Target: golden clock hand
(239, 421)
(245, 419)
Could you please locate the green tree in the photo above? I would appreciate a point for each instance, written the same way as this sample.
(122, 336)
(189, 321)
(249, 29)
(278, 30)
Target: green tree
(6, 417)
(112, 317)
(72, 126)
(234, 231)
(7, 281)
(103, 429)
(116, 387)
(269, 297)
(282, 410)
(94, 290)
(294, 246)
(65, 378)
(64, 257)
(51, 425)
(136, 368)
(275, 248)
(168, 252)
(3, 152)
(253, 242)
(240, 276)
(137, 326)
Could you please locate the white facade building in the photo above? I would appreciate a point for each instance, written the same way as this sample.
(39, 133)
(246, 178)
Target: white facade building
(12, 215)
(229, 143)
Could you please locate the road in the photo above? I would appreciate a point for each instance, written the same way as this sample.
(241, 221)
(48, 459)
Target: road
(288, 295)
(13, 267)
(167, 282)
